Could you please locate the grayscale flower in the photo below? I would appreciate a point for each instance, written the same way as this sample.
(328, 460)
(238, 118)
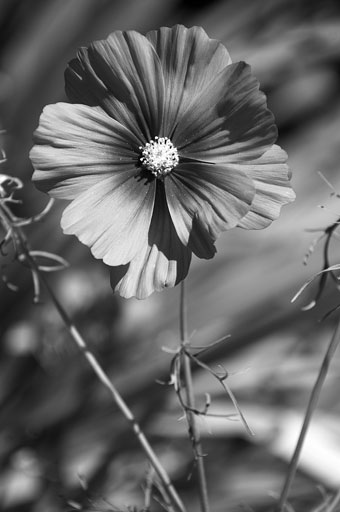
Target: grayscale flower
(166, 144)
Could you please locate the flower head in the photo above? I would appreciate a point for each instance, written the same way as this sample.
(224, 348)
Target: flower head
(165, 145)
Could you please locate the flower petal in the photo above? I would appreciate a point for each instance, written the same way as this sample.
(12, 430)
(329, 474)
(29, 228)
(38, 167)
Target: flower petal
(112, 217)
(271, 175)
(204, 200)
(164, 262)
(76, 146)
(123, 75)
(229, 121)
(190, 60)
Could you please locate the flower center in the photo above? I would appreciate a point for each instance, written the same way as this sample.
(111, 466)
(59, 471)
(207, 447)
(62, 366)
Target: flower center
(159, 156)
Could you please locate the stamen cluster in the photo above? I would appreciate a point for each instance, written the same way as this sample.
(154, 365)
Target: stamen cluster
(159, 156)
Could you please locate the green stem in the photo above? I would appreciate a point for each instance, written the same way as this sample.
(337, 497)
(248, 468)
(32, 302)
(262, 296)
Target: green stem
(190, 398)
(334, 342)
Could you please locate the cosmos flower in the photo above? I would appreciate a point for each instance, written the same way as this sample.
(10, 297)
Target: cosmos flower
(166, 144)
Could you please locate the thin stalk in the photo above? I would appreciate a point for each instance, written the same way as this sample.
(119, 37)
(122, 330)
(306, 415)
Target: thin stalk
(190, 398)
(334, 503)
(175, 504)
(333, 344)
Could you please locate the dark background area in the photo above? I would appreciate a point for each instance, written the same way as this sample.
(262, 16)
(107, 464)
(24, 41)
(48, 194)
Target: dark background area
(58, 427)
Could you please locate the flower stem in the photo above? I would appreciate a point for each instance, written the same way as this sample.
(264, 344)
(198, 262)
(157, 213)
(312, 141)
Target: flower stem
(172, 500)
(334, 503)
(175, 503)
(190, 398)
(333, 344)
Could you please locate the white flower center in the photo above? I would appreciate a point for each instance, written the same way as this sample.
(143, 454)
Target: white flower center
(159, 156)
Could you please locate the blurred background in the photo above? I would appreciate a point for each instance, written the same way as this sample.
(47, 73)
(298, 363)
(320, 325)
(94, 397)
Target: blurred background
(63, 445)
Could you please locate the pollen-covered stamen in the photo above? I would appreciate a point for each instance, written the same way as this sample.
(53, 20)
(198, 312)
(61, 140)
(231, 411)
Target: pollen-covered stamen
(159, 156)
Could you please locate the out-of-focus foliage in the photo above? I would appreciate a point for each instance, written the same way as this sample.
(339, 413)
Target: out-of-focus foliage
(58, 428)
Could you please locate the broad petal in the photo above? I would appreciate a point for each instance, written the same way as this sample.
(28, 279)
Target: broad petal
(271, 175)
(204, 200)
(82, 85)
(76, 146)
(163, 263)
(123, 75)
(112, 217)
(229, 121)
(190, 60)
